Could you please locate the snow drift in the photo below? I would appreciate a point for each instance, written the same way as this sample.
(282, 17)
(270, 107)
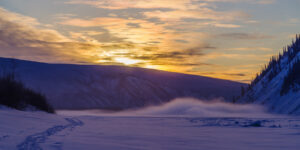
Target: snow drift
(194, 107)
(184, 107)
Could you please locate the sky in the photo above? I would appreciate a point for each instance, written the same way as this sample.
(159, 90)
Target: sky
(228, 39)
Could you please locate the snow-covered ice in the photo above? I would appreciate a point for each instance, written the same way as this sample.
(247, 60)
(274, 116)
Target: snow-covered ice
(168, 127)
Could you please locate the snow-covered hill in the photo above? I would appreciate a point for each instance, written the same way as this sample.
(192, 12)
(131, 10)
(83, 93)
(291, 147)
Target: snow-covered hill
(113, 87)
(277, 86)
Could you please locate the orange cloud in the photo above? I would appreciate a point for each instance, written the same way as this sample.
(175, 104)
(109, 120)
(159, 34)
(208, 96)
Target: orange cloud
(170, 4)
(124, 4)
(170, 43)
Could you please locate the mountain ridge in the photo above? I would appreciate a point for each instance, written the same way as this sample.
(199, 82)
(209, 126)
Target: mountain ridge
(69, 86)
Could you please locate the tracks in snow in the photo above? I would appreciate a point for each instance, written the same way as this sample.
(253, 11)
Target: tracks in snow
(32, 142)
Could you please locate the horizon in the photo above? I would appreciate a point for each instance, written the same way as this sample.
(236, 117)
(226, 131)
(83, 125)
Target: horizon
(224, 39)
(116, 65)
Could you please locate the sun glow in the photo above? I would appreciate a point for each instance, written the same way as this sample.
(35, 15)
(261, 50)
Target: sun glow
(126, 61)
(149, 66)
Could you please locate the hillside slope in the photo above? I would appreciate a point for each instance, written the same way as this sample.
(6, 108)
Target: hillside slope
(113, 87)
(278, 85)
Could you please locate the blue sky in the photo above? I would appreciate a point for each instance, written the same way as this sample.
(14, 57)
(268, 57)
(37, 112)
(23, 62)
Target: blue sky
(229, 39)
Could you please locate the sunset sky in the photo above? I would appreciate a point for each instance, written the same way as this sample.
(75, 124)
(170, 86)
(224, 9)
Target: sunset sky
(228, 39)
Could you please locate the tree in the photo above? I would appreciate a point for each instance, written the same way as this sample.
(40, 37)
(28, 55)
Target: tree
(15, 95)
(242, 91)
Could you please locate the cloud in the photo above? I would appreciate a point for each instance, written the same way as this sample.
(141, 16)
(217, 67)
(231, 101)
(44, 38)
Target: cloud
(235, 74)
(172, 12)
(221, 25)
(103, 21)
(175, 55)
(141, 32)
(169, 4)
(161, 25)
(173, 35)
(14, 17)
(149, 45)
(243, 1)
(265, 49)
(265, 1)
(203, 13)
(244, 36)
(23, 37)
(125, 4)
(134, 25)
